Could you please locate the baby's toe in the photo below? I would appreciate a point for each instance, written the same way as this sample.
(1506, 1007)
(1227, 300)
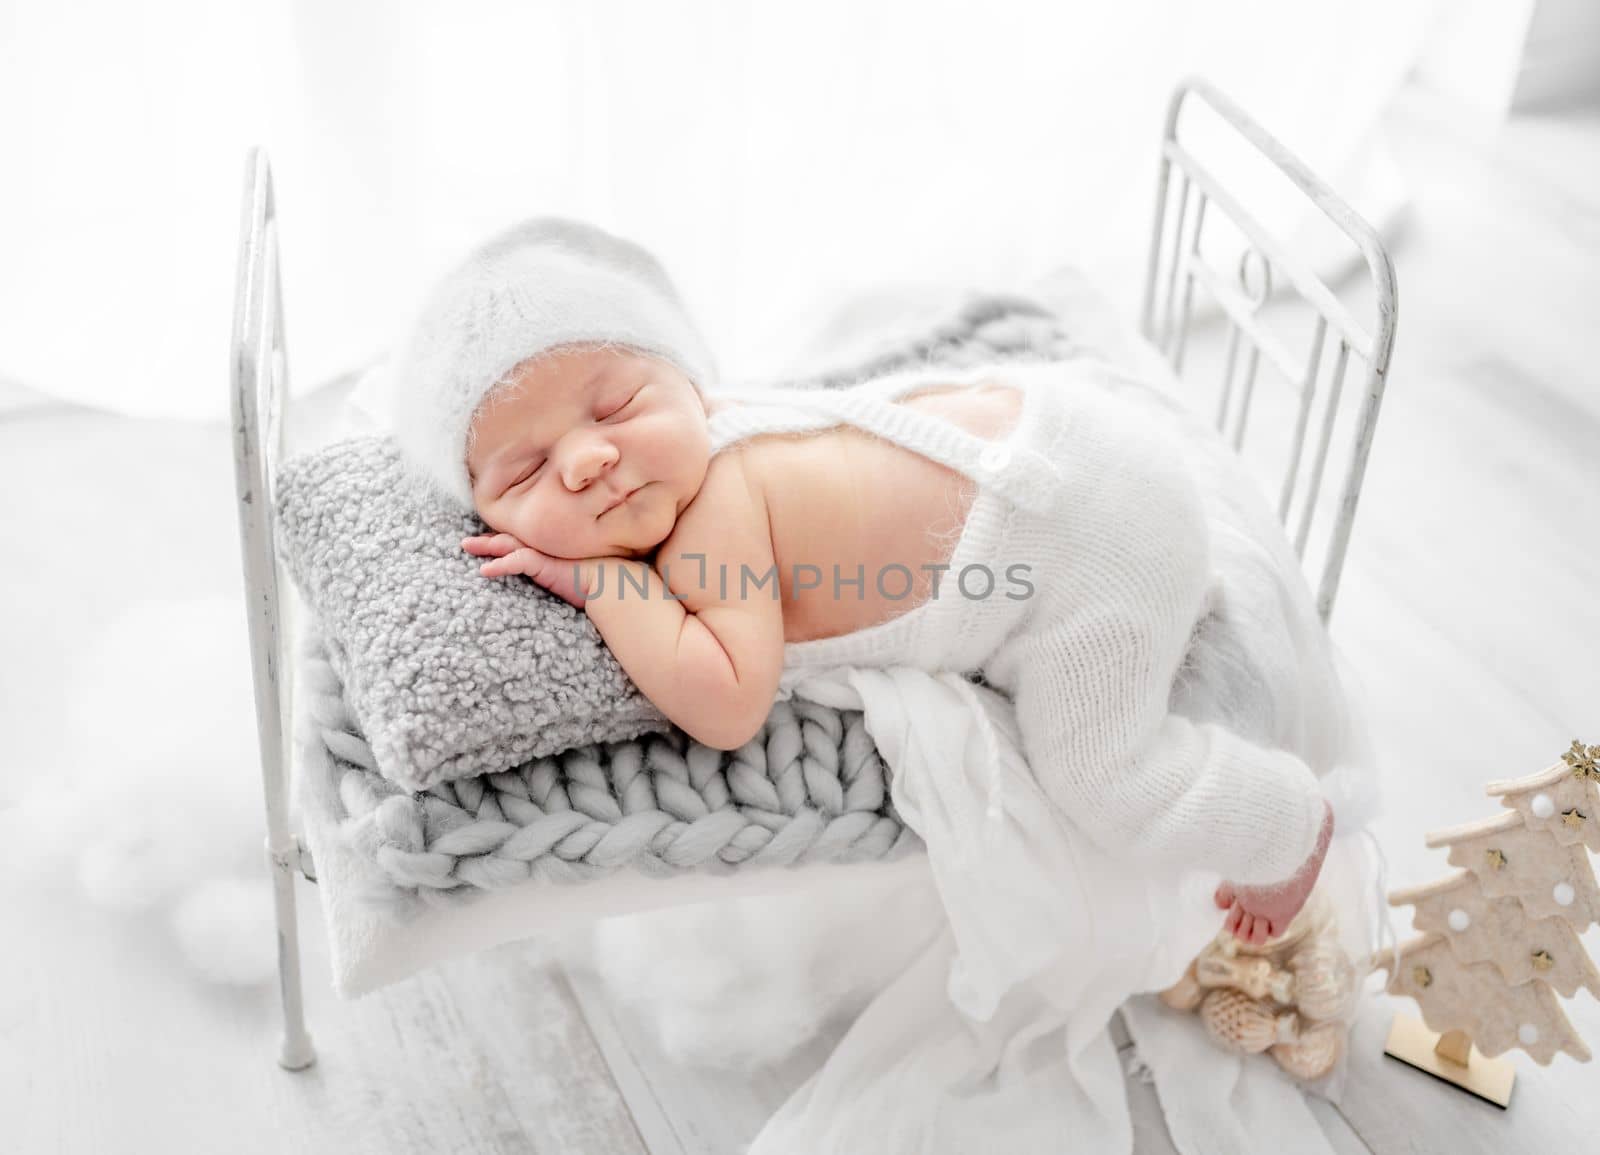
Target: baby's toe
(1223, 897)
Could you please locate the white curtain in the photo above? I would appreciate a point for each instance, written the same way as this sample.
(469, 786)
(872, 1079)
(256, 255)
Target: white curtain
(775, 155)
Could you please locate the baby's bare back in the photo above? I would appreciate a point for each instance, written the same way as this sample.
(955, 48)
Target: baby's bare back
(848, 499)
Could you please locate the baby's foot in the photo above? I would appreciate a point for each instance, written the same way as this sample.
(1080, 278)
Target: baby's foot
(1259, 913)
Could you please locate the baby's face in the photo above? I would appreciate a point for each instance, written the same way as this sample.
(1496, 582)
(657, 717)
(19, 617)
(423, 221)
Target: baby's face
(579, 431)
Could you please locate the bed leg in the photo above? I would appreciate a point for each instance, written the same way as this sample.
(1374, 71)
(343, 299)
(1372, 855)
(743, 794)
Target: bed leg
(295, 1051)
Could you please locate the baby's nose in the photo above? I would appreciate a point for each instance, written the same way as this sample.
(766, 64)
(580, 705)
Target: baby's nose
(588, 462)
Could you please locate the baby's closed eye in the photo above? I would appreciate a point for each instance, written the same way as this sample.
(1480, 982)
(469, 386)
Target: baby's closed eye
(626, 402)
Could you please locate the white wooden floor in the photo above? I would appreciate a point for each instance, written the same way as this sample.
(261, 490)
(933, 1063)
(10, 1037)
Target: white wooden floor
(1468, 606)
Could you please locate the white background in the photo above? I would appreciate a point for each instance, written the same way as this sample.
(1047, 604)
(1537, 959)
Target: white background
(774, 155)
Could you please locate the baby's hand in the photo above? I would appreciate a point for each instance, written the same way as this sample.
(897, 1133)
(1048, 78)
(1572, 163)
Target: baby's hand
(1259, 913)
(565, 578)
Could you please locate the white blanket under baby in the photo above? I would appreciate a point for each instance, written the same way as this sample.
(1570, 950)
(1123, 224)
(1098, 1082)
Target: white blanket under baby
(996, 1037)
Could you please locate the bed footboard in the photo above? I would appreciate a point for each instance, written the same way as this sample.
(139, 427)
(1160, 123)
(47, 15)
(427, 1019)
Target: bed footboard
(1178, 261)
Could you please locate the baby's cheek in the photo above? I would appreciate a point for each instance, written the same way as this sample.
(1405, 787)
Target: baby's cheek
(541, 537)
(492, 521)
(559, 536)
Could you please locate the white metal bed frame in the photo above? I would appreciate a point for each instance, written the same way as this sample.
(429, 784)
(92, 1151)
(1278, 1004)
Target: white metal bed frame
(258, 381)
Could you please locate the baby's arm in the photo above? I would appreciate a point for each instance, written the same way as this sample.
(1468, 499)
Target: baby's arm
(701, 653)
(708, 672)
(707, 655)
(710, 660)
(710, 663)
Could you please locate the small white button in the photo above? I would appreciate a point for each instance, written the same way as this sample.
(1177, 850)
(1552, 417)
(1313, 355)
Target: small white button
(995, 458)
(1527, 1034)
(1459, 920)
(1542, 806)
(1563, 894)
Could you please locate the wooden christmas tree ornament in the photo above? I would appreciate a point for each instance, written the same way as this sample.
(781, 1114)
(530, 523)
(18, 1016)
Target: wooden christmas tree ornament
(1499, 939)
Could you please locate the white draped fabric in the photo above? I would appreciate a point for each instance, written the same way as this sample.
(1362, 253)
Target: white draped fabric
(995, 1037)
(774, 155)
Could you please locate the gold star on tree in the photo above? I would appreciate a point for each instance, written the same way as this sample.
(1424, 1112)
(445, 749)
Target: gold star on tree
(1585, 763)
(1495, 859)
(1542, 961)
(1573, 818)
(1422, 976)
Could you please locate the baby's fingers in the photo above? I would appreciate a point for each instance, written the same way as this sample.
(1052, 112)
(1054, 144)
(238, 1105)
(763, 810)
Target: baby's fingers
(491, 544)
(523, 560)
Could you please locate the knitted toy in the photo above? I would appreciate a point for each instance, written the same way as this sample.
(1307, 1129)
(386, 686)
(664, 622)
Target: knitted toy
(1287, 996)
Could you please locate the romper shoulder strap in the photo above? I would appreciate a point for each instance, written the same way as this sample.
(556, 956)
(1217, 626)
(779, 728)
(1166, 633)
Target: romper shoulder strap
(759, 411)
(1012, 465)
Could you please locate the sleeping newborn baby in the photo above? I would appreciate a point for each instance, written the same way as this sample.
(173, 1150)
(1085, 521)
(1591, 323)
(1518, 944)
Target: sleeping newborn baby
(1010, 522)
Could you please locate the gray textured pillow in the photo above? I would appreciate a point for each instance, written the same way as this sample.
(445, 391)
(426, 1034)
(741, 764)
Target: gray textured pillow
(450, 675)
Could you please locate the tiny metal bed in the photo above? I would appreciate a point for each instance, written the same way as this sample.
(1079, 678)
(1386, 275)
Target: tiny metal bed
(1183, 254)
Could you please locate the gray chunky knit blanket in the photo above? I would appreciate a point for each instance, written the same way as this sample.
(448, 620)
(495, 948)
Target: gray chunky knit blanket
(809, 788)
(482, 735)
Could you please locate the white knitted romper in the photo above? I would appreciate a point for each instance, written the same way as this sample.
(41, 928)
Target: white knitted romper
(1094, 499)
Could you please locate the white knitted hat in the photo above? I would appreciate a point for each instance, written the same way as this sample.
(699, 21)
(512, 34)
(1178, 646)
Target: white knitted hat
(545, 282)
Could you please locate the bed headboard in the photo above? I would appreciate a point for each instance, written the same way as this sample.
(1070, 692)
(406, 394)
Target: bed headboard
(258, 383)
(1183, 254)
